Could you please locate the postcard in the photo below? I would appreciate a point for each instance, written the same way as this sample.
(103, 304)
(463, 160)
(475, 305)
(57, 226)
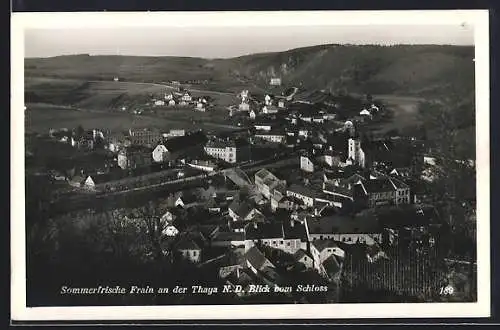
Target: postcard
(250, 165)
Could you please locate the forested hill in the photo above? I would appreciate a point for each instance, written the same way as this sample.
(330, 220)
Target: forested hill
(424, 70)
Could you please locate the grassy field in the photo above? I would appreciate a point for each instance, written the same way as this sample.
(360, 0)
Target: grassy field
(42, 117)
(107, 95)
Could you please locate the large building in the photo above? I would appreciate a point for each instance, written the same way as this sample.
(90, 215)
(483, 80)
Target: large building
(231, 151)
(267, 183)
(134, 156)
(145, 137)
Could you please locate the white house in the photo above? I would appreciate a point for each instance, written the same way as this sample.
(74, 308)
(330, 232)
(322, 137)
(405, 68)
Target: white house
(270, 109)
(268, 100)
(252, 114)
(275, 82)
(159, 153)
(307, 164)
(89, 183)
(186, 97)
(322, 249)
(365, 112)
(200, 106)
(159, 103)
(171, 103)
(170, 231)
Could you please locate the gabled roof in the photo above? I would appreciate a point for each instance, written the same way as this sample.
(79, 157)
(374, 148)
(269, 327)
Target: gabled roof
(300, 254)
(256, 258)
(187, 244)
(242, 209)
(341, 224)
(378, 185)
(264, 230)
(331, 265)
(297, 230)
(321, 244)
(181, 142)
(304, 190)
(188, 198)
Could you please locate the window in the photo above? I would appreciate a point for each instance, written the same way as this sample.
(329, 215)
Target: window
(287, 243)
(281, 242)
(343, 239)
(349, 239)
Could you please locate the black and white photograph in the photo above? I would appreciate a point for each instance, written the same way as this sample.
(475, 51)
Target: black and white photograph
(250, 165)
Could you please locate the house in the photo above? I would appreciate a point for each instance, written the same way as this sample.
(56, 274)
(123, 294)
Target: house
(281, 103)
(180, 146)
(186, 97)
(228, 239)
(243, 106)
(252, 114)
(76, 181)
(203, 165)
(322, 249)
(89, 183)
(169, 96)
(159, 103)
(186, 201)
(189, 250)
(279, 200)
(145, 137)
(159, 153)
(270, 109)
(267, 183)
(256, 261)
(274, 136)
(174, 133)
(242, 211)
(263, 126)
(275, 82)
(287, 236)
(304, 258)
(231, 151)
(200, 106)
(308, 163)
(170, 231)
(306, 194)
(342, 228)
(171, 103)
(268, 99)
(134, 156)
(382, 191)
(366, 113)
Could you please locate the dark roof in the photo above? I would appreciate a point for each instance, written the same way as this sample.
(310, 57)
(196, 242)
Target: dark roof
(229, 236)
(331, 265)
(187, 244)
(304, 190)
(134, 148)
(321, 244)
(343, 224)
(242, 209)
(188, 198)
(297, 230)
(256, 258)
(181, 142)
(258, 231)
(378, 185)
(300, 254)
(328, 186)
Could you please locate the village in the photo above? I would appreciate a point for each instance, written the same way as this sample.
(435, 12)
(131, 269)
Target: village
(300, 192)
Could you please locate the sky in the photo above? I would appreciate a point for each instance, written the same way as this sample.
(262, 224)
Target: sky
(224, 42)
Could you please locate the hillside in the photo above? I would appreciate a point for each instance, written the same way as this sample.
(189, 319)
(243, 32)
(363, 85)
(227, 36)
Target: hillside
(422, 70)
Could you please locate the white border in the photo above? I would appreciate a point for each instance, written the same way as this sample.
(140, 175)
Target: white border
(477, 18)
